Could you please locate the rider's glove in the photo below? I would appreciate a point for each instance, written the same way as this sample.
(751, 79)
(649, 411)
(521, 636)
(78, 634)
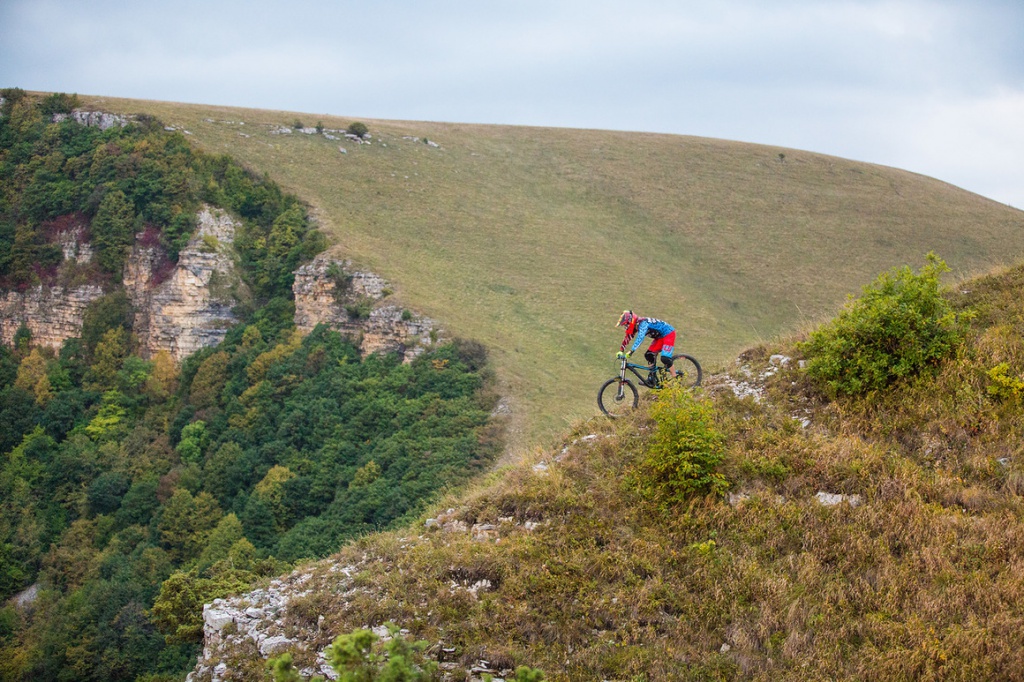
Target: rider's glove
(622, 355)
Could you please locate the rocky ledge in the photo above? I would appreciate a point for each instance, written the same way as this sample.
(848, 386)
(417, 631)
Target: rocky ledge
(329, 291)
(189, 306)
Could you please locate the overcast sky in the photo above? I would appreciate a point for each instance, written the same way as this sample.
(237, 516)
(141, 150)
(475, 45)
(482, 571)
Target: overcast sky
(931, 86)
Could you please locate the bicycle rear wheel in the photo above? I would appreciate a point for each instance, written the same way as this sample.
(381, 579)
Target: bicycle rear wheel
(686, 370)
(617, 397)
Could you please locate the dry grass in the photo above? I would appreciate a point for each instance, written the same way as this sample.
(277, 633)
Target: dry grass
(922, 580)
(531, 240)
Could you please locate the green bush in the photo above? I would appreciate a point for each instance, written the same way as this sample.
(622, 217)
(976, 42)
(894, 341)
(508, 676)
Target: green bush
(1005, 386)
(684, 451)
(900, 325)
(360, 309)
(358, 129)
(58, 103)
(353, 657)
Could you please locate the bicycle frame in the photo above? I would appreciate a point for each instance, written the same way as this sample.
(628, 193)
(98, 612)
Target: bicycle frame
(633, 367)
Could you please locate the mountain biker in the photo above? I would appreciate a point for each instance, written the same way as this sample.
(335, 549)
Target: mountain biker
(663, 337)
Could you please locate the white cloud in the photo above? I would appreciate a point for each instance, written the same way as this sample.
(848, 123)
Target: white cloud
(933, 86)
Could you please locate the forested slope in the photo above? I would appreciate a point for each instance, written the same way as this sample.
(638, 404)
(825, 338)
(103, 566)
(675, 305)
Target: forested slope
(131, 490)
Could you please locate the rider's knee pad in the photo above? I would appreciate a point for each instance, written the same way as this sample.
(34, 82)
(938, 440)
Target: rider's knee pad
(649, 357)
(666, 360)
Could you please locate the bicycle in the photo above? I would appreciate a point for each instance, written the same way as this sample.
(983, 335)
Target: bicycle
(618, 396)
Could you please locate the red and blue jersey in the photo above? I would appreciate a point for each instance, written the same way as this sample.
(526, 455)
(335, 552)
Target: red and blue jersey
(641, 327)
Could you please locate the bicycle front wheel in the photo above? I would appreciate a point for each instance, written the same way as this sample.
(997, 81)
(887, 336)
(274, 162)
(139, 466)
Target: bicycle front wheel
(617, 397)
(686, 370)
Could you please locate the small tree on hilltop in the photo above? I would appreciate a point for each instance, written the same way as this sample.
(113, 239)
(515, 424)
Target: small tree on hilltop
(358, 129)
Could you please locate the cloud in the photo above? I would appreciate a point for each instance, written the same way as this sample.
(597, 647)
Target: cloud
(929, 85)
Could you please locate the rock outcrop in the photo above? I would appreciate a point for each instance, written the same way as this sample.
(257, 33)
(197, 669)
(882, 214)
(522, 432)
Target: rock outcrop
(192, 308)
(291, 614)
(189, 306)
(328, 291)
(96, 119)
(51, 313)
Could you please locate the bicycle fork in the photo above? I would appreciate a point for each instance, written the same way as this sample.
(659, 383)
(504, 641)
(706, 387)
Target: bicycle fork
(621, 393)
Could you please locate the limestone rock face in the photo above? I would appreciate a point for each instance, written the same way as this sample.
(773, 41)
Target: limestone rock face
(191, 309)
(74, 245)
(52, 314)
(96, 119)
(328, 291)
(187, 307)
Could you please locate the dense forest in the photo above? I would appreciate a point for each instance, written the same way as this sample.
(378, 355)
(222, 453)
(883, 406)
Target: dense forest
(131, 490)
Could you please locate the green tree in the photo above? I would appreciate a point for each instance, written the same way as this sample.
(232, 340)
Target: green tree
(22, 339)
(33, 376)
(24, 254)
(178, 610)
(221, 473)
(258, 521)
(282, 670)
(108, 359)
(286, 232)
(186, 522)
(271, 491)
(222, 539)
(193, 441)
(113, 231)
(102, 315)
(110, 421)
(58, 103)
(106, 491)
(209, 381)
(365, 475)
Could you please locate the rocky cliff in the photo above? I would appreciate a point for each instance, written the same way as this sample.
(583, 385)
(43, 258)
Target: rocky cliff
(192, 308)
(189, 306)
(329, 291)
(51, 313)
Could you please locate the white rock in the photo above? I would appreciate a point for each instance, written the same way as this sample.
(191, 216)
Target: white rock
(275, 645)
(832, 499)
(215, 618)
(456, 526)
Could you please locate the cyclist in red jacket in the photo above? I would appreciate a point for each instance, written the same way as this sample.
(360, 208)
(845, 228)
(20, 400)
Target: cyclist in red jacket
(663, 337)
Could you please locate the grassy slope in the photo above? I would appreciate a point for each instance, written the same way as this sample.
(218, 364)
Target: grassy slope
(532, 240)
(921, 580)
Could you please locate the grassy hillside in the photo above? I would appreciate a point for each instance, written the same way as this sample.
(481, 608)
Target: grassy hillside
(532, 240)
(913, 569)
